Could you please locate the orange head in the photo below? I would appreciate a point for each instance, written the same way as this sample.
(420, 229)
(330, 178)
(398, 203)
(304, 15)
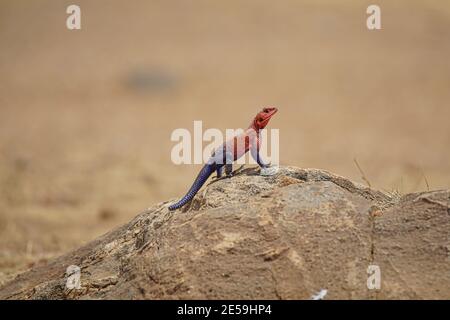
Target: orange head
(263, 117)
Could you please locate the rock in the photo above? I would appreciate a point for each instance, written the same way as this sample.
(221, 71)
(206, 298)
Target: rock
(286, 236)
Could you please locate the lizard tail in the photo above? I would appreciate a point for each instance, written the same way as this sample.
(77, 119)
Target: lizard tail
(202, 176)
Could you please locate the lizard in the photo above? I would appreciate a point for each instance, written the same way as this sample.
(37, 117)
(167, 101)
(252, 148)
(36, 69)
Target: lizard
(230, 151)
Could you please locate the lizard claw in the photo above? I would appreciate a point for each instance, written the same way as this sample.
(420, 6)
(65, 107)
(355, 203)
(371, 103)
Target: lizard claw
(269, 171)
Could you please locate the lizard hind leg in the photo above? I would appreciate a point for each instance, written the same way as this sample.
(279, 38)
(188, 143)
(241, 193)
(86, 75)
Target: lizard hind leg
(229, 164)
(219, 172)
(229, 169)
(216, 159)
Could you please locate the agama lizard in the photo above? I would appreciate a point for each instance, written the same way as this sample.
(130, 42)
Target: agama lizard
(230, 151)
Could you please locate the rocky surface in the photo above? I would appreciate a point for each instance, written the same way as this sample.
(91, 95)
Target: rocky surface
(286, 236)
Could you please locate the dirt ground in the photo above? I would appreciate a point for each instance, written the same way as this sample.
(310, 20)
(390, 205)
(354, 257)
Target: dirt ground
(86, 115)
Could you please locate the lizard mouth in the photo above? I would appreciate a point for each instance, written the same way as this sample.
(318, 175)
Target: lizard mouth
(266, 114)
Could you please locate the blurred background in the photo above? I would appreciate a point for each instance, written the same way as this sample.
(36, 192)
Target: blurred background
(86, 116)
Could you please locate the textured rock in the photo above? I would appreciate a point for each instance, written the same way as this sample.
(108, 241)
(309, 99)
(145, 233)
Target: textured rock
(282, 237)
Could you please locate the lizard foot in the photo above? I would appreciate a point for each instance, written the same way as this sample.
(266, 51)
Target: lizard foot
(269, 171)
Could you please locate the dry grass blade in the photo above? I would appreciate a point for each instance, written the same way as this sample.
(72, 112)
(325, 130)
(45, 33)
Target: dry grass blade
(363, 176)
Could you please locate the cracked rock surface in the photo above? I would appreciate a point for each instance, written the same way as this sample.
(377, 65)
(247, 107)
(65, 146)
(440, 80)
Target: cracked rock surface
(286, 236)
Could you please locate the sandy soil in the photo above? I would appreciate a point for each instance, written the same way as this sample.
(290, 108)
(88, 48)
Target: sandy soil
(86, 116)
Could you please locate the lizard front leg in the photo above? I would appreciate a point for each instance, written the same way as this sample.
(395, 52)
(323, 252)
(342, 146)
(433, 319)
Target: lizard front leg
(266, 168)
(254, 151)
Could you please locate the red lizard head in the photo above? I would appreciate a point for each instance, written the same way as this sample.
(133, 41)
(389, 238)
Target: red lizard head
(263, 117)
